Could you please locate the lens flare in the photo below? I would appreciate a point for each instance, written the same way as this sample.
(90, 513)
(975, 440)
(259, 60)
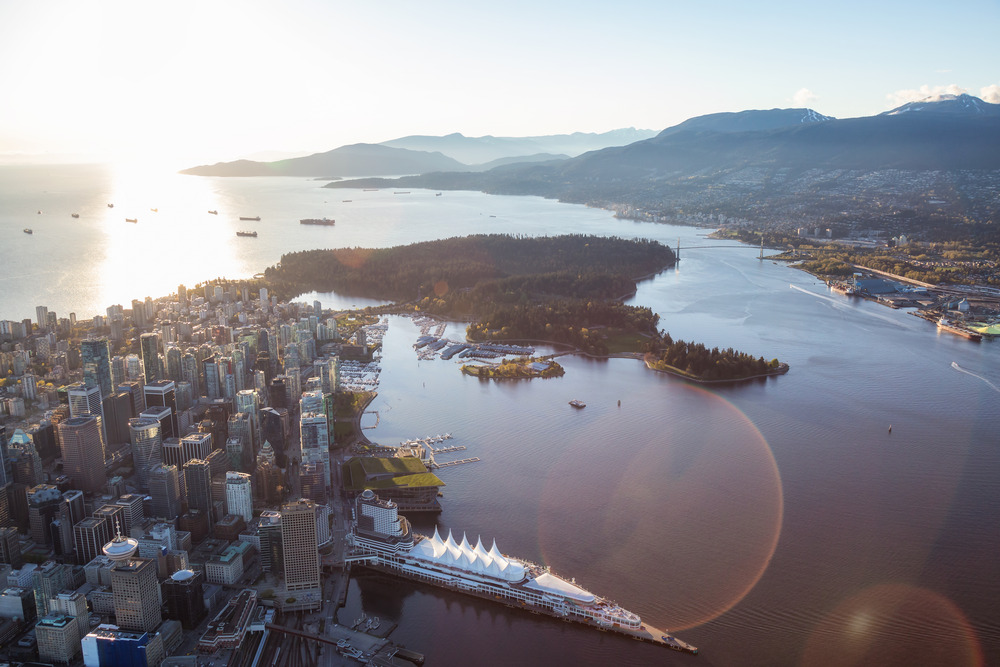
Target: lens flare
(689, 519)
(894, 624)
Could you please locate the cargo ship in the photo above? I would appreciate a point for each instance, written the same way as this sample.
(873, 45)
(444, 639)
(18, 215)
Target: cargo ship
(328, 222)
(256, 218)
(383, 540)
(253, 234)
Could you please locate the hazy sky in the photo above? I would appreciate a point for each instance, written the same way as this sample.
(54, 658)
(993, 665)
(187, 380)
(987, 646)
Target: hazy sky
(191, 82)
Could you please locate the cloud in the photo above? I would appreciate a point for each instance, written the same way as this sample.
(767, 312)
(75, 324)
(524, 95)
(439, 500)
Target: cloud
(990, 94)
(804, 97)
(901, 97)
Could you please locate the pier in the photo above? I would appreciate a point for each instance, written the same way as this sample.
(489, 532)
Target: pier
(434, 465)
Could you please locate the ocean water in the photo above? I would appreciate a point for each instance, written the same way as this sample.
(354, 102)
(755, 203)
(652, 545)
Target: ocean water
(776, 522)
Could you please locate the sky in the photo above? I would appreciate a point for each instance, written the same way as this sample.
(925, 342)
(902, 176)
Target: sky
(185, 83)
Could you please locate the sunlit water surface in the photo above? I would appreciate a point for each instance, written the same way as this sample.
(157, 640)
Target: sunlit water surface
(770, 523)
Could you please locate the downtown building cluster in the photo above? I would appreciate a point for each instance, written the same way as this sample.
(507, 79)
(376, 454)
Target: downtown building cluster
(195, 430)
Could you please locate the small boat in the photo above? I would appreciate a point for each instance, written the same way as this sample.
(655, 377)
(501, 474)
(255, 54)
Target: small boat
(111, 205)
(255, 218)
(131, 219)
(437, 194)
(214, 212)
(347, 201)
(39, 212)
(253, 234)
(577, 403)
(155, 210)
(27, 230)
(400, 192)
(75, 215)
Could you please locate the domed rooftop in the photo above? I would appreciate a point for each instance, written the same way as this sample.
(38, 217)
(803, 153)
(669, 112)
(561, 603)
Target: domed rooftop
(121, 548)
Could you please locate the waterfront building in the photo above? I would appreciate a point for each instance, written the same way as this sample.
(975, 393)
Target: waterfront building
(82, 443)
(300, 548)
(230, 625)
(403, 480)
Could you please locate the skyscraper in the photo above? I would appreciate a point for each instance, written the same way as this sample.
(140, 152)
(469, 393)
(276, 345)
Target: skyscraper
(82, 445)
(84, 400)
(184, 598)
(174, 357)
(95, 354)
(239, 495)
(162, 394)
(42, 316)
(165, 490)
(147, 442)
(90, 535)
(195, 446)
(198, 475)
(213, 387)
(136, 594)
(149, 344)
(298, 539)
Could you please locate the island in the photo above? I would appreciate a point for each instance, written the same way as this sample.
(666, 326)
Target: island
(515, 369)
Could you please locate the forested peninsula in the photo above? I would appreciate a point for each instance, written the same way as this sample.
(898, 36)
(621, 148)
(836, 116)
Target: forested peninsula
(564, 290)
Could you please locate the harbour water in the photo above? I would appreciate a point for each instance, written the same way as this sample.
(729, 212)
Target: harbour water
(770, 523)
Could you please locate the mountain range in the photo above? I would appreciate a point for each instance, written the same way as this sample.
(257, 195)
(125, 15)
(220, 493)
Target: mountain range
(421, 154)
(786, 166)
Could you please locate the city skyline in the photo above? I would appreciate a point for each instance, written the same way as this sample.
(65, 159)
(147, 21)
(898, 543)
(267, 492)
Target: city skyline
(130, 83)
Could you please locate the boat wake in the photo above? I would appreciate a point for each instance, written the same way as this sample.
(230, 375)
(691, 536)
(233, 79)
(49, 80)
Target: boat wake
(962, 370)
(841, 304)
